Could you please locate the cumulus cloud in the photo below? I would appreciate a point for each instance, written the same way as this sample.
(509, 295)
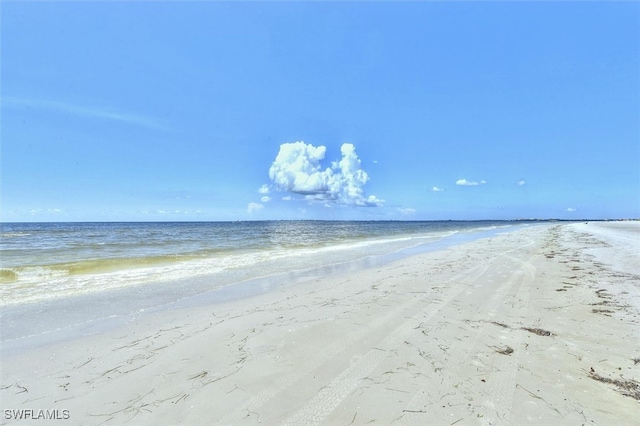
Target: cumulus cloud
(264, 189)
(251, 207)
(521, 182)
(436, 189)
(297, 169)
(465, 182)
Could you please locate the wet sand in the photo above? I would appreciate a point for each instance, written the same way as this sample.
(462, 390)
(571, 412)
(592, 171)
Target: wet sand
(536, 326)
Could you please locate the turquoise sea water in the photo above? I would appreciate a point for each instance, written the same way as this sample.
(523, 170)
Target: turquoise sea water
(45, 261)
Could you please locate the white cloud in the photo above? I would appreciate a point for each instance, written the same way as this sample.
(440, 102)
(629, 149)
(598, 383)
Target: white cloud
(465, 182)
(264, 189)
(251, 207)
(521, 182)
(315, 197)
(287, 198)
(50, 211)
(87, 111)
(372, 200)
(407, 211)
(265, 199)
(436, 189)
(297, 169)
(571, 209)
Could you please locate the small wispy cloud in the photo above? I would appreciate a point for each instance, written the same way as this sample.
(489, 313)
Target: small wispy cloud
(45, 211)
(464, 182)
(264, 189)
(436, 189)
(571, 209)
(521, 182)
(87, 111)
(265, 199)
(407, 211)
(175, 195)
(170, 212)
(251, 207)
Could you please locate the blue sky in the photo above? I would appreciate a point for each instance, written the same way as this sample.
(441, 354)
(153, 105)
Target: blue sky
(320, 110)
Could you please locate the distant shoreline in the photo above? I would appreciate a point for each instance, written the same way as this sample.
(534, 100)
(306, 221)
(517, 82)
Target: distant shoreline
(328, 220)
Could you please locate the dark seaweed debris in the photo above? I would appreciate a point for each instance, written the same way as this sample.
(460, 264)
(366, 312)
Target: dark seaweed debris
(506, 351)
(629, 388)
(538, 331)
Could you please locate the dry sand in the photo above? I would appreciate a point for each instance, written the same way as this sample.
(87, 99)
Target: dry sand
(537, 326)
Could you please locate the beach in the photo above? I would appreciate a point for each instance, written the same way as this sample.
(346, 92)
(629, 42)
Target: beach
(536, 325)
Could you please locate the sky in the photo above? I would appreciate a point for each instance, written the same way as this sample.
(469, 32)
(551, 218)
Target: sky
(197, 111)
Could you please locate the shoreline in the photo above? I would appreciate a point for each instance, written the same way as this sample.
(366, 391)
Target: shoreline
(73, 316)
(523, 327)
(88, 268)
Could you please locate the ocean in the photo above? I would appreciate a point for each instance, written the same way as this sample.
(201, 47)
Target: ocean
(44, 261)
(63, 280)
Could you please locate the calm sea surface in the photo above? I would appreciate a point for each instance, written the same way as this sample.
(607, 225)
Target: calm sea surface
(45, 261)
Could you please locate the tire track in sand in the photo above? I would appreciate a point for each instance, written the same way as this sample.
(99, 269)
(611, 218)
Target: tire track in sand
(258, 400)
(501, 386)
(404, 310)
(331, 395)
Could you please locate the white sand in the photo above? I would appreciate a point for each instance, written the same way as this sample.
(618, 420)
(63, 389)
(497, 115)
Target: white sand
(415, 342)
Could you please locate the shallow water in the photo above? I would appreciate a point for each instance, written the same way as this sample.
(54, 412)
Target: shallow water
(72, 310)
(44, 261)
